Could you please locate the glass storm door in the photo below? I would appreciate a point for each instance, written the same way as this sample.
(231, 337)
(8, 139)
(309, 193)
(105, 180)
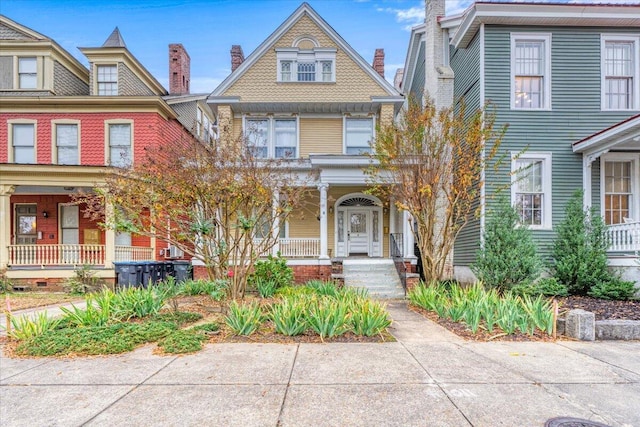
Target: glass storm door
(357, 231)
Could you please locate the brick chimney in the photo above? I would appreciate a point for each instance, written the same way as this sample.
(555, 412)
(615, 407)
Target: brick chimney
(179, 70)
(378, 62)
(237, 56)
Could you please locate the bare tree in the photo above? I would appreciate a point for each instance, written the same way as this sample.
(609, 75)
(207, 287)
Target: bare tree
(221, 204)
(431, 162)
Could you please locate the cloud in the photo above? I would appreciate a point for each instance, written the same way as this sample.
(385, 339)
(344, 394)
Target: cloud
(410, 17)
(454, 7)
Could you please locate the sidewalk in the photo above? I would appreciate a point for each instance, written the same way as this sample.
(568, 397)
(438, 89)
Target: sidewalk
(428, 378)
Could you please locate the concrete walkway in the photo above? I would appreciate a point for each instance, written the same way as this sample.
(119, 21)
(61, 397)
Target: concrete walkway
(428, 378)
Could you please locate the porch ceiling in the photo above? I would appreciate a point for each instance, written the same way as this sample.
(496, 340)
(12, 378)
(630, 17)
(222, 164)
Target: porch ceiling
(623, 136)
(46, 175)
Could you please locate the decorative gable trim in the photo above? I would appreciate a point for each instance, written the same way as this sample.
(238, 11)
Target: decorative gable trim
(304, 9)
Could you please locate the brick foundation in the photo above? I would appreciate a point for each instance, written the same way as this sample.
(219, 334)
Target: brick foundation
(301, 273)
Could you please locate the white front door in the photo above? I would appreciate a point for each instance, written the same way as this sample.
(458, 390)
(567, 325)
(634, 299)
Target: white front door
(358, 231)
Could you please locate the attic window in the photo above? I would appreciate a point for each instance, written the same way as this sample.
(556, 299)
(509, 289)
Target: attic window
(107, 80)
(306, 65)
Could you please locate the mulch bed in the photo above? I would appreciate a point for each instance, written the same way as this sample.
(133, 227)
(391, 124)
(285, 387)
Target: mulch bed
(603, 309)
(462, 330)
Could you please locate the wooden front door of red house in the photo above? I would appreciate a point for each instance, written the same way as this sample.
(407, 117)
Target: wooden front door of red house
(25, 231)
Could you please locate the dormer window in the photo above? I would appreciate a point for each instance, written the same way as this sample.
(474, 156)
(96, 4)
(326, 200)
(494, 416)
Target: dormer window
(27, 73)
(306, 65)
(107, 80)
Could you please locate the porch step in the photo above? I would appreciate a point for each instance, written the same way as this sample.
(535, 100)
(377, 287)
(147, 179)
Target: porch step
(378, 276)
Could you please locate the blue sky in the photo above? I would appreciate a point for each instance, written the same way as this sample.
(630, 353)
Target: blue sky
(208, 28)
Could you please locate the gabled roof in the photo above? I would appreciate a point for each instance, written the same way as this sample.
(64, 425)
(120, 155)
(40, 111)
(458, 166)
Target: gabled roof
(540, 14)
(26, 31)
(411, 61)
(304, 9)
(114, 40)
(624, 135)
(114, 48)
(36, 41)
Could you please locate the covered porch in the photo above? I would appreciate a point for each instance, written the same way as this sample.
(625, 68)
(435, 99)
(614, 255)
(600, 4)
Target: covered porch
(611, 182)
(43, 234)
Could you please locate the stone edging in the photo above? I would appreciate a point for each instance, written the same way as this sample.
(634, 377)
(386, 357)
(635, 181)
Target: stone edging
(581, 325)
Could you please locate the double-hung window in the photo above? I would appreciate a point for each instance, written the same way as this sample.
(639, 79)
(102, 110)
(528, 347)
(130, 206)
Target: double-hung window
(530, 71)
(620, 175)
(358, 135)
(120, 154)
(23, 141)
(272, 137)
(107, 80)
(620, 73)
(531, 189)
(306, 65)
(67, 144)
(27, 73)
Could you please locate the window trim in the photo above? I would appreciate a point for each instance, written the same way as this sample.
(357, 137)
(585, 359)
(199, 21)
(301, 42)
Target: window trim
(10, 153)
(604, 38)
(546, 87)
(97, 80)
(547, 188)
(317, 55)
(635, 180)
(345, 118)
(107, 145)
(17, 73)
(54, 139)
(271, 121)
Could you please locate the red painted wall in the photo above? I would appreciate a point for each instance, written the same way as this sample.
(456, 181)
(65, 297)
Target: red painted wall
(149, 129)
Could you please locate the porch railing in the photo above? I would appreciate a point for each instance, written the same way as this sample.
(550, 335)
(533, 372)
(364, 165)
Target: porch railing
(56, 254)
(296, 247)
(133, 253)
(624, 237)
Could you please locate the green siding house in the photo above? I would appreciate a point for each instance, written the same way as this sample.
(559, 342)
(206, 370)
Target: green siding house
(565, 79)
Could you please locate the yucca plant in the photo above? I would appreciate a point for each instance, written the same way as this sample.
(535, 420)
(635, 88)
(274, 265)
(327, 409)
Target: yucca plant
(428, 297)
(322, 287)
(328, 317)
(289, 316)
(508, 314)
(25, 327)
(139, 302)
(369, 318)
(266, 287)
(540, 312)
(243, 319)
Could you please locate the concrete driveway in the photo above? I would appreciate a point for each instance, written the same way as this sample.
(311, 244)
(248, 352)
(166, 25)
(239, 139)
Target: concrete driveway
(428, 378)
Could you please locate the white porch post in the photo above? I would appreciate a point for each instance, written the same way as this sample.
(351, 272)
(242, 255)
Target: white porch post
(275, 229)
(323, 221)
(109, 238)
(587, 161)
(5, 223)
(407, 236)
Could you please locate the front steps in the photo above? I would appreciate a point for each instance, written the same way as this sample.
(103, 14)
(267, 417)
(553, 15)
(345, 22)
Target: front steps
(378, 276)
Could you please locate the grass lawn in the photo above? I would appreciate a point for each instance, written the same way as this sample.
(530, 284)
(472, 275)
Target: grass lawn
(24, 300)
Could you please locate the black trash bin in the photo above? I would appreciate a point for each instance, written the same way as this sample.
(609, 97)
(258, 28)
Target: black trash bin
(182, 270)
(148, 272)
(169, 271)
(128, 274)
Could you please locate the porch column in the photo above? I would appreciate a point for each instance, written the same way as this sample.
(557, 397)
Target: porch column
(275, 229)
(5, 223)
(324, 253)
(109, 238)
(587, 161)
(407, 236)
